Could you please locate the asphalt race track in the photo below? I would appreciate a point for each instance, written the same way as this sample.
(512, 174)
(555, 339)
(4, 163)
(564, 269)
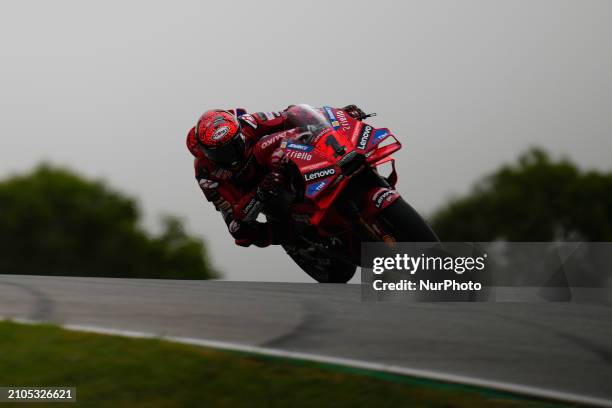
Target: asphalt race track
(555, 346)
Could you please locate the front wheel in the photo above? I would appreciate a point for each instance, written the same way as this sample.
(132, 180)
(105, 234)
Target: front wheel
(404, 224)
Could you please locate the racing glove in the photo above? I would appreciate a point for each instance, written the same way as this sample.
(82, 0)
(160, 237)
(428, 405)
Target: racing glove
(274, 181)
(270, 185)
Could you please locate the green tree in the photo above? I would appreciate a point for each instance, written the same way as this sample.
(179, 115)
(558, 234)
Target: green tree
(535, 199)
(54, 222)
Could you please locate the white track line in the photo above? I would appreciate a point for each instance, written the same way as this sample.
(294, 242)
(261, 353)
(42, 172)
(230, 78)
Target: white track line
(426, 374)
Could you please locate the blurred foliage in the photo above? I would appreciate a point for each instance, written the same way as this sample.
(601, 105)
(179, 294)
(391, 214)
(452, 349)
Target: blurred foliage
(535, 199)
(54, 222)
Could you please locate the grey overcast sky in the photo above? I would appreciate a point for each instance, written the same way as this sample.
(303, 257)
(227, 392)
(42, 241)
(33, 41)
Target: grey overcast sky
(110, 88)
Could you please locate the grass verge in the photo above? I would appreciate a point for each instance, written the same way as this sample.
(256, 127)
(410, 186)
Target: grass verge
(126, 372)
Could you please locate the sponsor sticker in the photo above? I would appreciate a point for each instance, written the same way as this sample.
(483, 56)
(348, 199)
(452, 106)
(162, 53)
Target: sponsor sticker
(249, 120)
(364, 137)
(331, 117)
(252, 209)
(343, 120)
(222, 173)
(297, 146)
(270, 140)
(380, 134)
(223, 205)
(294, 154)
(207, 184)
(219, 133)
(218, 120)
(249, 206)
(315, 188)
(234, 226)
(382, 195)
(319, 173)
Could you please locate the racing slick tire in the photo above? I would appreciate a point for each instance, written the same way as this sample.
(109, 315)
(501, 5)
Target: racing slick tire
(404, 224)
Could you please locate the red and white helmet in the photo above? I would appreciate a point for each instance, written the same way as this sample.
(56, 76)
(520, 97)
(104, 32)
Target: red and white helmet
(219, 135)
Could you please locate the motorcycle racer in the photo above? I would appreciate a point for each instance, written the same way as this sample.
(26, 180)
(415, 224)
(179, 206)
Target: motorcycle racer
(233, 170)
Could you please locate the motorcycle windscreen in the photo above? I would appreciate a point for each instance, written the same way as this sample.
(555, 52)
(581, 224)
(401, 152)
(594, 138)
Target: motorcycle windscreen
(306, 118)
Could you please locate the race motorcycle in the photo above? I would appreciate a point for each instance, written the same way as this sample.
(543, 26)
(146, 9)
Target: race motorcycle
(335, 198)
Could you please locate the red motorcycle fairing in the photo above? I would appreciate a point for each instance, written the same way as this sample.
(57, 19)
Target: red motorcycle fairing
(325, 156)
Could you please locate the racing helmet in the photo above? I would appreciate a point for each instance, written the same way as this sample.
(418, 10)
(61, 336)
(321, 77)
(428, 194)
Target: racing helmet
(218, 133)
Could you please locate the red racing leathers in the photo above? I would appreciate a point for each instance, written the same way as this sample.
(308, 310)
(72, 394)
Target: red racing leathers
(234, 193)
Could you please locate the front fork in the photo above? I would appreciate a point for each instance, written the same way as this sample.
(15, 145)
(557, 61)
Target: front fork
(366, 197)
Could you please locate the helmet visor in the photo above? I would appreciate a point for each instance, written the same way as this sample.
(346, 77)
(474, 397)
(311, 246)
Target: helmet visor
(228, 155)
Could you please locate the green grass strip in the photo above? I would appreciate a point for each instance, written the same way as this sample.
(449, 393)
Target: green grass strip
(127, 372)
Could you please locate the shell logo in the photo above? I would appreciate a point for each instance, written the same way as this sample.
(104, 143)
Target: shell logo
(219, 133)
